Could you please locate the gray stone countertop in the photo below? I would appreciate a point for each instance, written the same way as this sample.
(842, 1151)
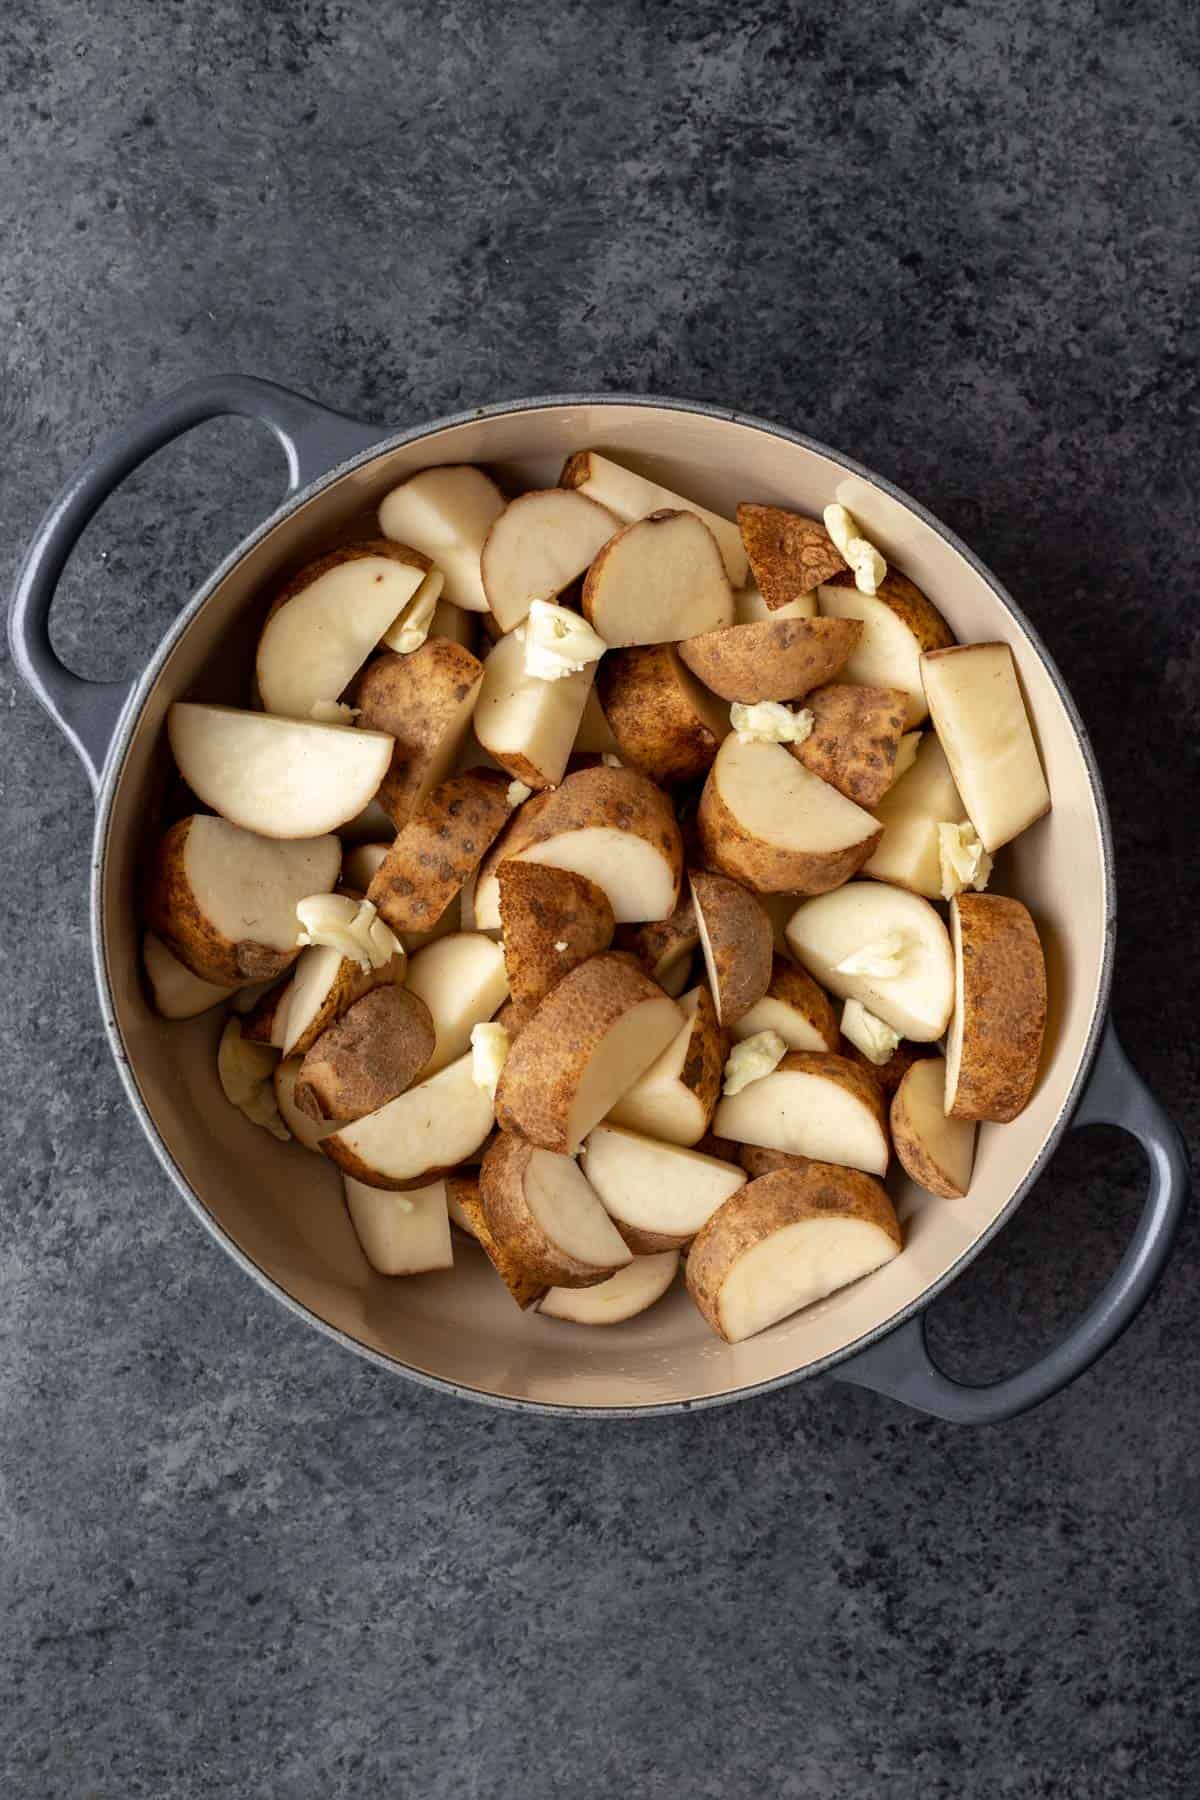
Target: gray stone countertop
(958, 243)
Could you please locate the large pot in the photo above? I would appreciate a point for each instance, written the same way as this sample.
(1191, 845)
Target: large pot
(277, 1209)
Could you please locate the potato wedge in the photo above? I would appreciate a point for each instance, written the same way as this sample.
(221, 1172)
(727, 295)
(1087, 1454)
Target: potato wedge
(675, 1099)
(633, 497)
(795, 1007)
(586, 1045)
(544, 1214)
(737, 941)
(632, 1290)
(768, 822)
(786, 1240)
(658, 580)
(936, 1151)
(281, 778)
(323, 986)
(790, 556)
(466, 1209)
(854, 740)
(912, 987)
(910, 813)
(552, 920)
(979, 714)
(328, 619)
(657, 1195)
(401, 1234)
(418, 1136)
(447, 513)
(898, 625)
(462, 979)
(373, 1053)
(538, 546)
(266, 1022)
(665, 947)
(778, 659)
(306, 1131)
(177, 993)
(995, 1041)
(424, 701)
(440, 846)
(612, 826)
(223, 900)
(664, 721)
(527, 724)
(814, 1105)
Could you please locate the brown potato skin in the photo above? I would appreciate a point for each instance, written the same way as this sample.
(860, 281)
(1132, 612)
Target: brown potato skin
(912, 1155)
(786, 1196)
(438, 849)
(539, 908)
(649, 714)
(350, 983)
(415, 699)
(890, 1074)
(663, 942)
(765, 868)
(259, 1022)
(525, 1288)
(512, 1226)
(741, 942)
(704, 1065)
(772, 659)
(856, 733)
(789, 555)
(538, 1082)
(756, 1160)
(172, 913)
(796, 987)
(372, 1053)
(904, 598)
(1004, 1007)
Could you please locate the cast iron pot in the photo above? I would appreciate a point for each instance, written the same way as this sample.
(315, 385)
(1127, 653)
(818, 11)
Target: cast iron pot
(277, 1209)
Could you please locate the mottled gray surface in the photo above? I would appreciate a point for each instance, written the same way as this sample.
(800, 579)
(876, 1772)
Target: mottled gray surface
(956, 241)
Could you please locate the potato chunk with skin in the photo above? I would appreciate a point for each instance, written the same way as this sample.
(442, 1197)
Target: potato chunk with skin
(441, 845)
(373, 1052)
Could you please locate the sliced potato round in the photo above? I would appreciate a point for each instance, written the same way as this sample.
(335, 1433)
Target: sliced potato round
(658, 580)
(178, 994)
(663, 720)
(737, 941)
(401, 1234)
(936, 1151)
(424, 701)
(674, 1100)
(911, 988)
(898, 624)
(373, 1052)
(552, 920)
(440, 846)
(428, 1129)
(527, 724)
(658, 1195)
(633, 497)
(794, 1007)
(543, 1212)
(462, 980)
(813, 1105)
(632, 1290)
(855, 738)
(538, 546)
(995, 1041)
(790, 556)
(777, 659)
(446, 513)
(768, 822)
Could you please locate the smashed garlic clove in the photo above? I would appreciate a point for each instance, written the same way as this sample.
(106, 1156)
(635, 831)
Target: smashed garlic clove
(245, 1070)
(558, 642)
(867, 564)
(489, 1052)
(753, 1058)
(906, 754)
(410, 628)
(770, 722)
(876, 1040)
(518, 793)
(964, 861)
(333, 712)
(348, 925)
(882, 959)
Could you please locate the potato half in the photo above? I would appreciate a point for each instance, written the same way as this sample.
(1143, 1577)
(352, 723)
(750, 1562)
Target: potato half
(440, 846)
(978, 709)
(737, 941)
(428, 1129)
(664, 721)
(768, 822)
(632, 496)
(916, 997)
(658, 1195)
(855, 736)
(795, 1007)
(995, 1040)
(675, 1099)
(446, 513)
(401, 1234)
(777, 659)
(538, 546)
(543, 1212)
(424, 701)
(371, 1054)
(463, 981)
(552, 920)
(814, 1105)
(658, 580)
(898, 625)
(936, 1151)
(632, 1290)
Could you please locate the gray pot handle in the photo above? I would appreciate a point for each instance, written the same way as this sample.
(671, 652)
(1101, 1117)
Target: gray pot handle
(900, 1364)
(314, 439)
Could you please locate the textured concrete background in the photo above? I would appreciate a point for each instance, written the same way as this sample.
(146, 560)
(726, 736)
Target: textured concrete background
(958, 242)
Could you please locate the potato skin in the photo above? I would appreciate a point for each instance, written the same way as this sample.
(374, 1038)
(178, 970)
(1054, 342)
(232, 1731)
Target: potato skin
(740, 939)
(904, 598)
(350, 983)
(541, 907)
(372, 1053)
(172, 913)
(786, 1196)
(856, 733)
(704, 1065)
(911, 1153)
(890, 1074)
(414, 698)
(512, 1226)
(796, 987)
(757, 1160)
(1004, 1007)
(259, 1022)
(649, 714)
(662, 942)
(438, 849)
(772, 659)
(766, 868)
(525, 1288)
(789, 554)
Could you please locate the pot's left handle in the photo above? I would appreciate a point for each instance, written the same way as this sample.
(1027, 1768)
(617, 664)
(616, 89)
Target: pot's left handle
(314, 439)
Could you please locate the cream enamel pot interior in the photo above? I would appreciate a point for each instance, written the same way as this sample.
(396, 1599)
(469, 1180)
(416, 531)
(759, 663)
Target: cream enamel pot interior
(278, 1209)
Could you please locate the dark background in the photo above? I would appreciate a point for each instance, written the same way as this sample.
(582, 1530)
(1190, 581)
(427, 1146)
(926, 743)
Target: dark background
(959, 243)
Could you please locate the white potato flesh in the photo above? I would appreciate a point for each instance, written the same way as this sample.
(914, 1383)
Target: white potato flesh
(539, 545)
(918, 1000)
(794, 1267)
(450, 621)
(980, 717)
(568, 1210)
(628, 1048)
(435, 1125)
(886, 655)
(361, 863)
(316, 970)
(178, 994)
(781, 803)
(661, 581)
(594, 737)
(446, 513)
(659, 1104)
(657, 1187)
(305, 1130)
(636, 876)
(463, 981)
(793, 1026)
(752, 609)
(283, 778)
(632, 497)
(519, 715)
(247, 886)
(910, 813)
(401, 1234)
(630, 1291)
(313, 646)
(948, 1143)
(806, 1115)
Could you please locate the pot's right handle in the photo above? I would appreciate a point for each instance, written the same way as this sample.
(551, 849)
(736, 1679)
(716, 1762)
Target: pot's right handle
(900, 1364)
(314, 439)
